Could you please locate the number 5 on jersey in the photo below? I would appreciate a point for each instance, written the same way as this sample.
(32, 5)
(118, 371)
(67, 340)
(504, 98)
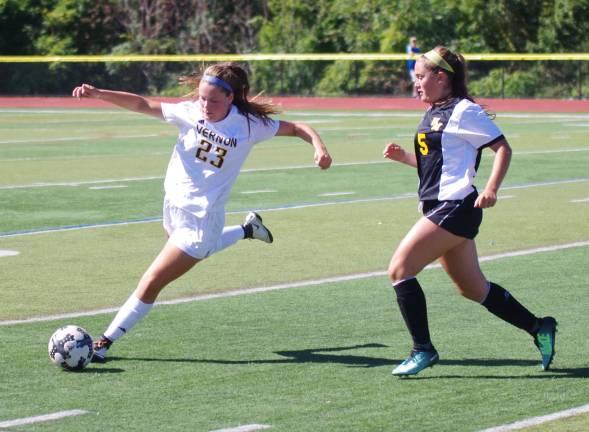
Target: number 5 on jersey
(423, 148)
(202, 153)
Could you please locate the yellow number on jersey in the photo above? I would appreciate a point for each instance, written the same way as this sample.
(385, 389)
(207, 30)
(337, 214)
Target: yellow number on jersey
(423, 148)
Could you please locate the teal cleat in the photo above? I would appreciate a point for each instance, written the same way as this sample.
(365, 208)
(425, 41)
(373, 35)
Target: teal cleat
(545, 340)
(416, 362)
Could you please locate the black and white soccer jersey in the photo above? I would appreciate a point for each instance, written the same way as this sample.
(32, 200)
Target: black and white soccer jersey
(448, 147)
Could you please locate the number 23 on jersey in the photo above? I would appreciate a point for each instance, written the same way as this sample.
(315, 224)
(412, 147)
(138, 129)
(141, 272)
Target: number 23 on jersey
(215, 157)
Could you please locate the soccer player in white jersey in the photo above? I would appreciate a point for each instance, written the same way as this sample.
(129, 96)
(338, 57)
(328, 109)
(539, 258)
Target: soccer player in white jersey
(448, 146)
(216, 133)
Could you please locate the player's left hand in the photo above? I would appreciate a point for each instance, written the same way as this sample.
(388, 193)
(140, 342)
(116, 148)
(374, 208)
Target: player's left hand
(322, 159)
(486, 199)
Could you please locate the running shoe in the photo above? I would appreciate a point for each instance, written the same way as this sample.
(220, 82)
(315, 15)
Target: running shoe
(416, 362)
(545, 340)
(255, 229)
(101, 346)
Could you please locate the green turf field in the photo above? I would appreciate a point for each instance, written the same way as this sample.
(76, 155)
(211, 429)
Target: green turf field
(81, 195)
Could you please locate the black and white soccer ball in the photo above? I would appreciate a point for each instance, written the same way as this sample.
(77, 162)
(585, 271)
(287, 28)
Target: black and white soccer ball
(70, 347)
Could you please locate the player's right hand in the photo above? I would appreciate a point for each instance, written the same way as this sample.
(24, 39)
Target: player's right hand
(394, 152)
(85, 90)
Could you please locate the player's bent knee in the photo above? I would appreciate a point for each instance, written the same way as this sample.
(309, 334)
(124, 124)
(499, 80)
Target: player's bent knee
(399, 270)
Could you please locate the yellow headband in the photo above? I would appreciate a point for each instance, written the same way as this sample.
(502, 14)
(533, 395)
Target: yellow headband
(438, 60)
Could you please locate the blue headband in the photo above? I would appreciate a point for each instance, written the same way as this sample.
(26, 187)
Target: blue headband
(218, 82)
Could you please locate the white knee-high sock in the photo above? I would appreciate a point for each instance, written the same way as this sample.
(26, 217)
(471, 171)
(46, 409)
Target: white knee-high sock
(230, 235)
(129, 314)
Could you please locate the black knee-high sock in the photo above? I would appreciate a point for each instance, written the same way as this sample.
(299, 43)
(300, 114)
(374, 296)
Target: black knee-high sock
(413, 307)
(502, 304)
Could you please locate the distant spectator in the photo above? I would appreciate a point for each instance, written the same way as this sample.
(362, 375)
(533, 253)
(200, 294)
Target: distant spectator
(412, 49)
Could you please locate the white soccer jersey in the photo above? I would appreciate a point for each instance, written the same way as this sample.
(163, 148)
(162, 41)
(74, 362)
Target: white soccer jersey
(208, 156)
(448, 147)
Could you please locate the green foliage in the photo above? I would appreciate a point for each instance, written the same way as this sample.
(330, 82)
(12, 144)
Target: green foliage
(60, 27)
(505, 84)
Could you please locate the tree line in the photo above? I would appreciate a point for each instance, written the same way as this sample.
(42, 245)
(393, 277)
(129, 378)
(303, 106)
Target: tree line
(76, 27)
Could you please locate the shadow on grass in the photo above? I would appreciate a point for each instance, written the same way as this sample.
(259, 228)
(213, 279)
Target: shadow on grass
(314, 355)
(92, 369)
(330, 355)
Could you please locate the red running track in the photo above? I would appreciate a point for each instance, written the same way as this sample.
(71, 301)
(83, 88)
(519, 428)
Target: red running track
(328, 103)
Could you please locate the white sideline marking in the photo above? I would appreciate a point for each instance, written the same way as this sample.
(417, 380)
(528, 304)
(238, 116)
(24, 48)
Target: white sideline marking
(306, 283)
(534, 421)
(576, 124)
(6, 253)
(41, 418)
(273, 209)
(107, 187)
(245, 428)
(419, 113)
(328, 194)
(48, 140)
(258, 191)
(62, 111)
(255, 170)
(81, 183)
(580, 200)
(293, 113)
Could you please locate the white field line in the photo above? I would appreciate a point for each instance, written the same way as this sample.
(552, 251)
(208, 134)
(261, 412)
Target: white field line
(259, 191)
(306, 283)
(6, 253)
(316, 114)
(251, 170)
(548, 183)
(576, 124)
(67, 111)
(108, 187)
(82, 227)
(534, 421)
(273, 209)
(41, 418)
(158, 219)
(419, 113)
(581, 200)
(81, 183)
(245, 428)
(49, 140)
(329, 194)
(540, 152)
(354, 128)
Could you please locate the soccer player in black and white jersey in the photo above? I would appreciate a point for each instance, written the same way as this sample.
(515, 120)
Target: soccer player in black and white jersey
(448, 146)
(216, 133)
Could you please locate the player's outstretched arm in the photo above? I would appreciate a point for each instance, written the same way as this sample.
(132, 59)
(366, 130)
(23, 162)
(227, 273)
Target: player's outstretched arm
(130, 101)
(322, 157)
(395, 152)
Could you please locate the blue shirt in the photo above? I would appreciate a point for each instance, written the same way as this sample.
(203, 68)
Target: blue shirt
(411, 50)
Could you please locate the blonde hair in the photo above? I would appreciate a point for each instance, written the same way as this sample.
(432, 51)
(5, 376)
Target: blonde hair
(236, 76)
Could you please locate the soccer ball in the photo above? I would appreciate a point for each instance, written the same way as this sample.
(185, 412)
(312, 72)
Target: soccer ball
(71, 348)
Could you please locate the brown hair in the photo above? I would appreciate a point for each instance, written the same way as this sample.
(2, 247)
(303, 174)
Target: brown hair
(236, 76)
(457, 77)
